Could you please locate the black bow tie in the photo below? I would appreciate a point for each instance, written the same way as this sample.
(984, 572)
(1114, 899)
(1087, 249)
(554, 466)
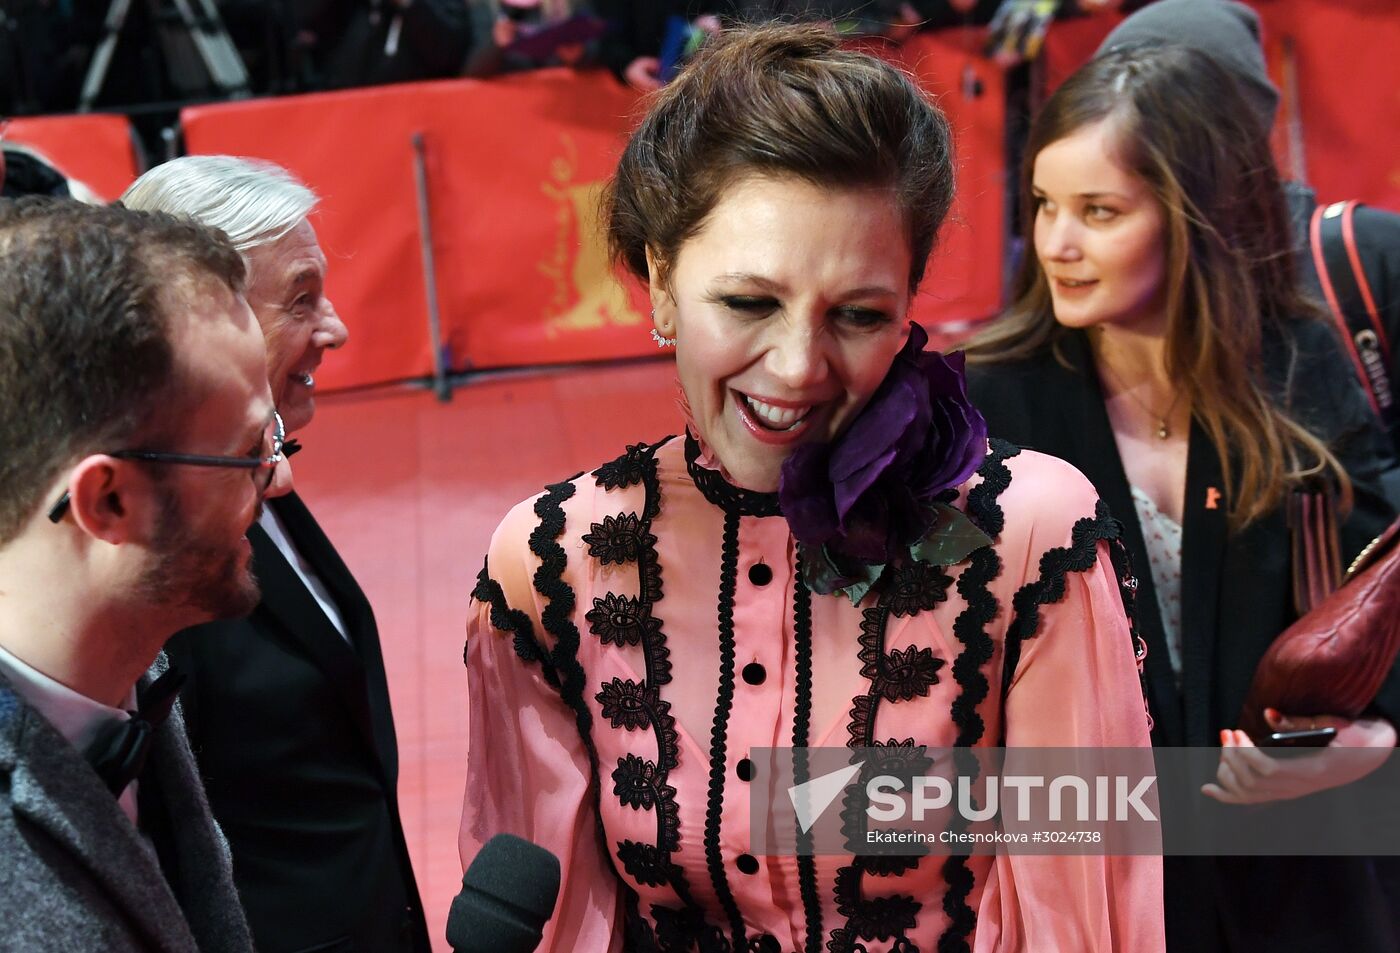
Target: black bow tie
(118, 753)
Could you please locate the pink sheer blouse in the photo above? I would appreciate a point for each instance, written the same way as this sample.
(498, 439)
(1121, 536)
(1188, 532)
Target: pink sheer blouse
(637, 631)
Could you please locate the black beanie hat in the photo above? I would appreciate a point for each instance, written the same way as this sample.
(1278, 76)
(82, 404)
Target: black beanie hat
(1226, 31)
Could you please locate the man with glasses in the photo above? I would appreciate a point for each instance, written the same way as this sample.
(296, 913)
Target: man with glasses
(137, 441)
(288, 709)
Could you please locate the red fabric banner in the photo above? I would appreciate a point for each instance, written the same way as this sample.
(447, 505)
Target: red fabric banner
(515, 167)
(964, 276)
(96, 149)
(355, 149)
(1348, 94)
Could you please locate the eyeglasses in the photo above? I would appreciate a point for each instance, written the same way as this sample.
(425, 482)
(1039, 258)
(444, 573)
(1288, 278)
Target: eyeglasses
(274, 447)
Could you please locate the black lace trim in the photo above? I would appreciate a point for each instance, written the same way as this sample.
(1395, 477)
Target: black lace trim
(627, 621)
(621, 620)
(628, 704)
(861, 727)
(894, 677)
(556, 618)
(870, 918)
(982, 505)
(517, 623)
(1055, 565)
(917, 587)
(801, 738)
(626, 470)
(899, 675)
(971, 629)
(618, 539)
(549, 582)
(898, 759)
(686, 930)
(722, 493)
(724, 704)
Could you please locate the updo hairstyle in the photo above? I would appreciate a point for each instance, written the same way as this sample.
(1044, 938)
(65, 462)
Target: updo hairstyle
(777, 100)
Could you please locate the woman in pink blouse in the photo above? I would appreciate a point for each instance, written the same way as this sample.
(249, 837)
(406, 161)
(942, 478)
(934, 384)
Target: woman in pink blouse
(828, 556)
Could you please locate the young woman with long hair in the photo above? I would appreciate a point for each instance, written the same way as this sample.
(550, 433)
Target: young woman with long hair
(1158, 341)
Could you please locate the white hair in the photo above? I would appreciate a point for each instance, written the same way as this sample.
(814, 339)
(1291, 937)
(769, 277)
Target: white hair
(252, 201)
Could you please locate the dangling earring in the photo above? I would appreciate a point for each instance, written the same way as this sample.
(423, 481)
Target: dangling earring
(660, 339)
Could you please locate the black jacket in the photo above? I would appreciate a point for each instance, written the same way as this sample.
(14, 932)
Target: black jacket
(294, 737)
(1235, 599)
(1377, 234)
(375, 41)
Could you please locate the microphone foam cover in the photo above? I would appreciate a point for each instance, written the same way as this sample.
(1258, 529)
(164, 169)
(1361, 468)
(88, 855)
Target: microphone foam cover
(508, 894)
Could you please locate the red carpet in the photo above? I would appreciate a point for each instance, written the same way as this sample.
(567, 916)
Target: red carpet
(410, 489)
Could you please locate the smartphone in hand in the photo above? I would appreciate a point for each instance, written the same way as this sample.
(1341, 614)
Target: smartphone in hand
(1307, 738)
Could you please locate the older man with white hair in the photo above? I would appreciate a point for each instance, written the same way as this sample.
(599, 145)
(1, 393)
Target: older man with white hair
(288, 709)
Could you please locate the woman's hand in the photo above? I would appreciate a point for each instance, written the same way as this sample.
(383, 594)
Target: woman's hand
(644, 73)
(1247, 775)
(503, 31)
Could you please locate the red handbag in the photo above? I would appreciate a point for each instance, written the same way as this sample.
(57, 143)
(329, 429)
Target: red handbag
(1333, 659)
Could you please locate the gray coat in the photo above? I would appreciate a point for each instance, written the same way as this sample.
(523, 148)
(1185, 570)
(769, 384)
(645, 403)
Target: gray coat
(76, 875)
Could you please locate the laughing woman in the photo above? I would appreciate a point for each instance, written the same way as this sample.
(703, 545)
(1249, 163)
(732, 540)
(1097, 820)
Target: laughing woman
(826, 557)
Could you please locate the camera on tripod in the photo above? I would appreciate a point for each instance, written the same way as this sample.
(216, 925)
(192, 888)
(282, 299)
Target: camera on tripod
(201, 59)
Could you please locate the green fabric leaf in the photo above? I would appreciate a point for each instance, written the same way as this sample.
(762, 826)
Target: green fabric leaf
(856, 591)
(952, 538)
(818, 571)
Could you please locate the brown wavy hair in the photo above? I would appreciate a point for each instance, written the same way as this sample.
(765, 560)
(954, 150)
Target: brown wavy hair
(779, 100)
(1180, 123)
(86, 362)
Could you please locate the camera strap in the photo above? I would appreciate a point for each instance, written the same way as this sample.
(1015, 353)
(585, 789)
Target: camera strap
(1351, 303)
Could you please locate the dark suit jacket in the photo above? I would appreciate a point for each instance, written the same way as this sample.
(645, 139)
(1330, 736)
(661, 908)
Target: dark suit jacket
(76, 875)
(294, 737)
(1235, 598)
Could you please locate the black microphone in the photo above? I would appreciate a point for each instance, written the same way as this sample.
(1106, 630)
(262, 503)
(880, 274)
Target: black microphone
(508, 895)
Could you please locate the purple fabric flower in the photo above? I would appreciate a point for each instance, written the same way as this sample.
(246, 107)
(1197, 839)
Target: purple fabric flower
(868, 495)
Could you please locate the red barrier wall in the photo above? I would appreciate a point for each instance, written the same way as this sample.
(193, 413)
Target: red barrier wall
(1348, 82)
(514, 169)
(97, 149)
(1348, 92)
(963, 281)
(354, 148)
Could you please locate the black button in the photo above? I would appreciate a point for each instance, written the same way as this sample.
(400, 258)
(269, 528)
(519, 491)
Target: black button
(760, 574)
(744, 769)
(767, 944)
(747, 864)
(754, 673)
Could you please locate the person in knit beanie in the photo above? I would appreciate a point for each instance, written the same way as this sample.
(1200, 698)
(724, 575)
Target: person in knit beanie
(1226, 31)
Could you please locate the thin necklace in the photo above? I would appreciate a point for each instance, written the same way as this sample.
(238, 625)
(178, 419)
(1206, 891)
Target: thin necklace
(1163, 430)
